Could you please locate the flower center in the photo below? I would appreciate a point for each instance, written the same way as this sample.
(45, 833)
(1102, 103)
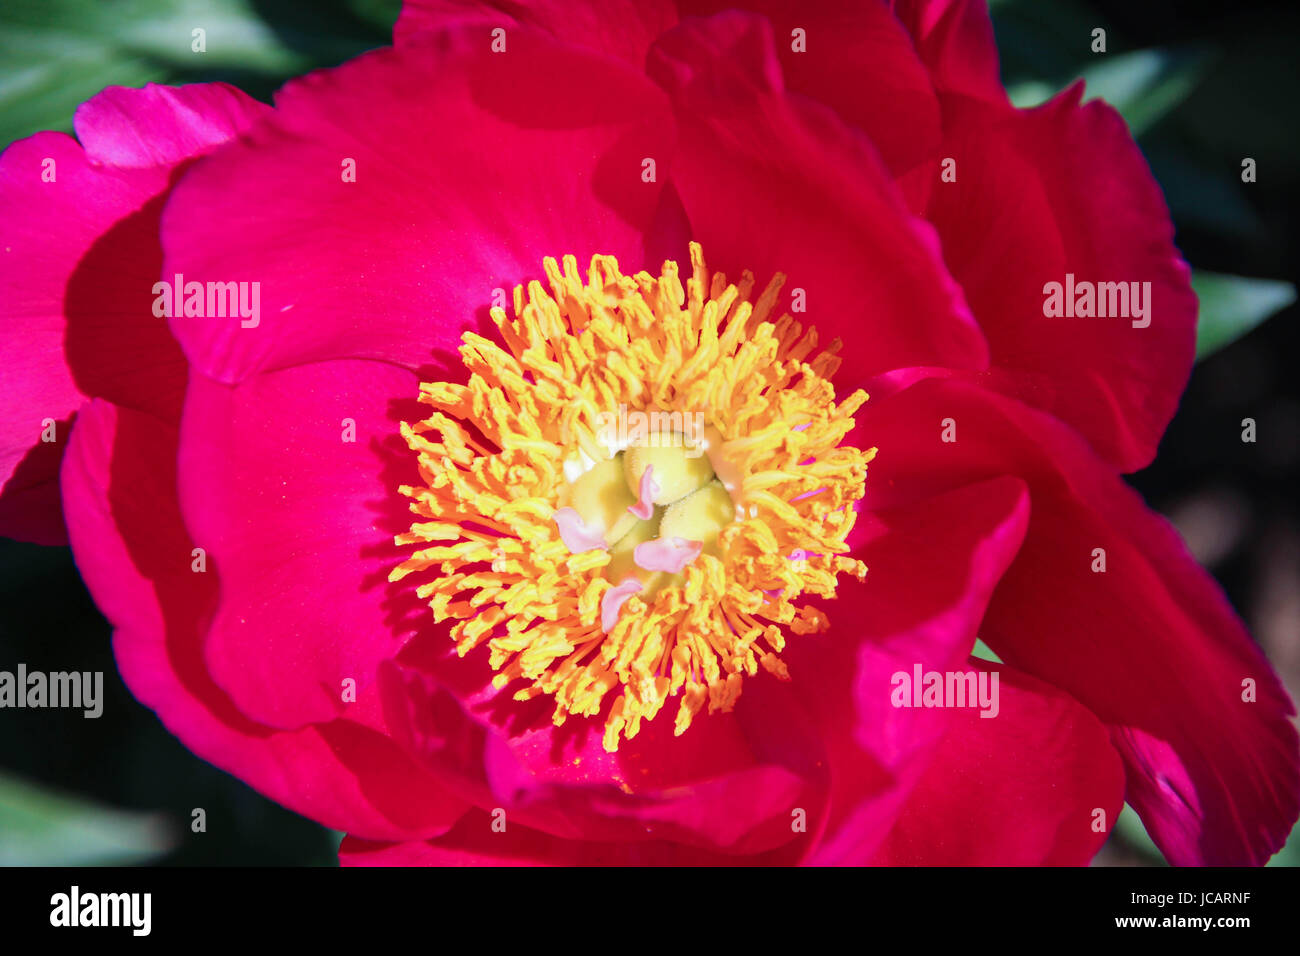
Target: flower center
(634, 493)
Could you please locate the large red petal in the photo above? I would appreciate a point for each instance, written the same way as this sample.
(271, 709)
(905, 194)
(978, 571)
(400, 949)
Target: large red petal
(932, 568)
(1063, 189)
(470, 167)
(858, 60)
(137, 559)
(290, 482)
(1150, 646)
(79, 254)
(1031, 781)
(774, 182)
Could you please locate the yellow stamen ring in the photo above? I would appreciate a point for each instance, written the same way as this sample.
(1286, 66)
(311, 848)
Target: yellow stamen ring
(769, 506)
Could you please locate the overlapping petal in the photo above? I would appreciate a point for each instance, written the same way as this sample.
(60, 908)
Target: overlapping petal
(954, 38)
(119, 485)
(1032, 781)
(470, 167)
(1149, 645)
(79, 254)
(933, 566)
(1062, 190)
(723, 786)
(618, 28)
(288, 481)
(760, 171)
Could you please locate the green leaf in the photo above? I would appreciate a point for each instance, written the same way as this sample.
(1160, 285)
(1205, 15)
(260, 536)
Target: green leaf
(59, 53)
(41, 828)
(1130, 829)
(984, 652)
(1030, 93)
(1144, 85)
(1289, 855)
(1233, 305)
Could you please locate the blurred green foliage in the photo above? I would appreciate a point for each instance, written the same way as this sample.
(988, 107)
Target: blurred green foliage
(59, 53)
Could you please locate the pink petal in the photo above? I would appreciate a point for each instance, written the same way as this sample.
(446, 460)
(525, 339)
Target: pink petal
(162, 125)
(575, 534)
(1064, 189)
(646, 491)
(760, 171)
(612, 601)
(666, 554)
(78, 259)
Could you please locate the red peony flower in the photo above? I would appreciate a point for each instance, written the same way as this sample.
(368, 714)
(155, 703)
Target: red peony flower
(342, 474)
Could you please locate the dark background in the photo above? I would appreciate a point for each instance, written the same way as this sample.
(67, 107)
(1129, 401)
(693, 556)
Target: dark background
(1203, 86)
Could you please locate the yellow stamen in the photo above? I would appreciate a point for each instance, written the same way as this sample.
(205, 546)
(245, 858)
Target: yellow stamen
(493, 456)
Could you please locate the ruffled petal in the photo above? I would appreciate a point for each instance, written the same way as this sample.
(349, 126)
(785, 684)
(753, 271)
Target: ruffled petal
(1150, 645)
(138, 562)
(932, 568)
(162, 125)
(470, 167)
(773, 182)
(1031, 780)
(290, 483)
(1062, 190)
(79, 254)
